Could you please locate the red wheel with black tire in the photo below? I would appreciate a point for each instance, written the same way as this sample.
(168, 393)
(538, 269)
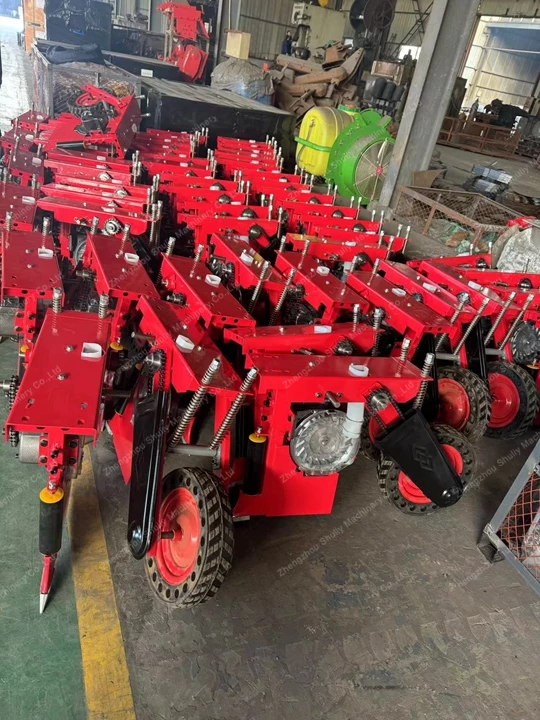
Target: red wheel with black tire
(464, 402)
(514, 400)
(194, 543)
(401, 491)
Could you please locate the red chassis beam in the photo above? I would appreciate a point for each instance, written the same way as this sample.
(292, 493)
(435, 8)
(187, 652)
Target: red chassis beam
(403, 313)
(256, 232)
(73, 212)
(322, 290)
(94, 173)
(506, 283)
(115, 190)
(203, 297)
(347, 251)
(94, 195)
(235, 209)
(308, 339)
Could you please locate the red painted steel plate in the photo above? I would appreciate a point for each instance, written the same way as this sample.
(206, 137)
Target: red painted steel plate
(23, 270)
(115, 275)
(73, 404)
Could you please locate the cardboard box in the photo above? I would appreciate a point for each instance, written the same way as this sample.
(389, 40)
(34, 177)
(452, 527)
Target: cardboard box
(238, 44)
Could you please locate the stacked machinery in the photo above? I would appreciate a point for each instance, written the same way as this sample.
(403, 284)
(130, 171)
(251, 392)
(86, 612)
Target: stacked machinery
(208, 309)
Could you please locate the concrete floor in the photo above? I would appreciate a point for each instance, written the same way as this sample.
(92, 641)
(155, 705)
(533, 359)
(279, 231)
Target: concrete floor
(366, 613)
(525, 176)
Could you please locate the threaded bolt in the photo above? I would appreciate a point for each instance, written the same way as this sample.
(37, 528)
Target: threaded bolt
(405, 349)
(57, 300)
(472, 326)
(500, 317)
(195, 403)
(125, 237)
(305, 249)
(171, 242)
(426, 373)
(258, 288)
(103, 306)
(378, 317)
(234, 409)
(94, 226)
(282, 297)
(356, 315)
(453, 319)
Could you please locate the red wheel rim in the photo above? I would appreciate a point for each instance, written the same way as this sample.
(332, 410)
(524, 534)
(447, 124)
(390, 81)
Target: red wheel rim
(176, 558)
(86, 100)
(454, 404)
(412, 493)
(505, 400)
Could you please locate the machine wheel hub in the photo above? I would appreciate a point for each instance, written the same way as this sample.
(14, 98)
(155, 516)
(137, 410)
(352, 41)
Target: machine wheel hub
(412, 492)
(176, 556)
(454, 405)
(505, 400)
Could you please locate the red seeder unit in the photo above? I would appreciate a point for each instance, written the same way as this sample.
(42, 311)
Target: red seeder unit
(206, 305)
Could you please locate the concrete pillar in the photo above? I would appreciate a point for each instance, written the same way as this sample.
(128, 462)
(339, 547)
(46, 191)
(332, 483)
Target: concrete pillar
(445, 42)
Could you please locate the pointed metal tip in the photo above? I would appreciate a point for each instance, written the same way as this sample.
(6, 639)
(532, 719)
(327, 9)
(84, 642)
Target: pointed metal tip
(43, 597)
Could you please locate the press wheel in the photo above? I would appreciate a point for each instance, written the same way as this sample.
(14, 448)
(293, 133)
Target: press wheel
(401, 491)
(194, 543)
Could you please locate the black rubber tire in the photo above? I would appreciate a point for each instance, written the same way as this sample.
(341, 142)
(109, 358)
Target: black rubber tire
(479, 400)
(367, 448)
(388, 472)
(217, 540)
(528, 400)
(80, 112)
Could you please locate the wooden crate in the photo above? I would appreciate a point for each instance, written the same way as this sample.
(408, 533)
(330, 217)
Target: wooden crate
(34, 22)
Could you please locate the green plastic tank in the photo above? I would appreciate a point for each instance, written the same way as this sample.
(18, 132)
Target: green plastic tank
(360, 156)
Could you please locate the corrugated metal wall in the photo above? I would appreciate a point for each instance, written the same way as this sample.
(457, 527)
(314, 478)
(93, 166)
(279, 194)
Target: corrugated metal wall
(268, 22)
(510, 76)
(406, 16)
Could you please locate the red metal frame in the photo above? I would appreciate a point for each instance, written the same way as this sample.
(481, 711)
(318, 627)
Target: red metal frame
(72, 211)
(186, 25)
(120, 275)
(307, 380)
(325, 293)
(246, 273)
(59, 371)
(21, 202)
(213, 305)
(405, 315)
(30, 272)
